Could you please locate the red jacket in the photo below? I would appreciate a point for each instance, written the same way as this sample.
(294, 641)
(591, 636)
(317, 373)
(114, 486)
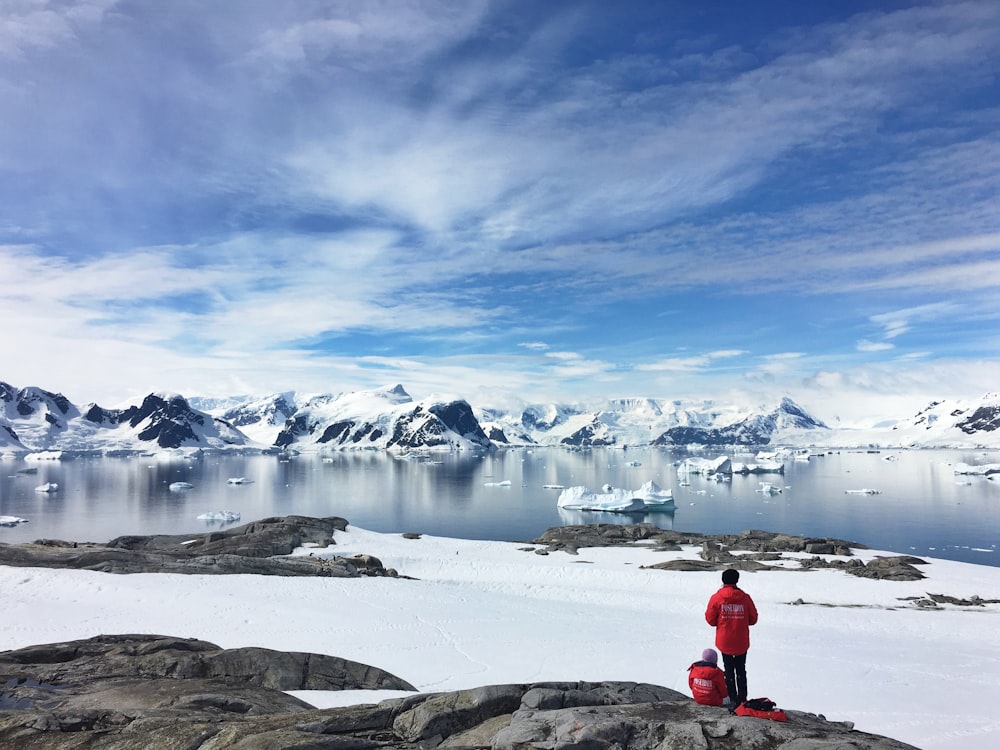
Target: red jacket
(731, 612)
(707, 683)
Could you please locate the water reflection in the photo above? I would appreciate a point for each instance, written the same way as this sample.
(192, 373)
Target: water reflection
(662, 519)
(922, 508)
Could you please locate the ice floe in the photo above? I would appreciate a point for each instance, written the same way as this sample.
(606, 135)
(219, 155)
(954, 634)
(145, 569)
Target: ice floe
(220, 515)
(650, 496)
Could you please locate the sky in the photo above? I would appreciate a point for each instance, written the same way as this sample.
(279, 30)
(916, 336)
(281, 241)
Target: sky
(486, 613)
(549, 201)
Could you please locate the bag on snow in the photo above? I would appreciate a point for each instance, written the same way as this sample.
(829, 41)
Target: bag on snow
(761, 708)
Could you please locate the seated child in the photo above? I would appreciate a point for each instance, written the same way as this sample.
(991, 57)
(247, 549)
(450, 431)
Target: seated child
(706, 680)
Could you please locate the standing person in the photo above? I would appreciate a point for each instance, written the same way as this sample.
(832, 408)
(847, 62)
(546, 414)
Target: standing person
(706, 680)
(731, 612)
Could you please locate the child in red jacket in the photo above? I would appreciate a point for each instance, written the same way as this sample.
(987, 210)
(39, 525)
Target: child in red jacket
(706, 680)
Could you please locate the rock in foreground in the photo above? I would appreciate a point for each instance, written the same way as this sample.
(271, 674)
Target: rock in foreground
(142, 692)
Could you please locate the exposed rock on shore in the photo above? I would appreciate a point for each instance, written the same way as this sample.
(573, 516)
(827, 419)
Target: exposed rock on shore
(140, 692)
(263, 548)
(755, 549)
(258, 548)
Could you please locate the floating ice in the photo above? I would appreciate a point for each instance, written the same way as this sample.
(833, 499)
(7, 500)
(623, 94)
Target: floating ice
(180, 486)
(504, 483)
(220, 515)
(47, 487)
(239, 480)
(616, 500)
(863, 491)
(12, 520)
(706, 466)
(44, 456)
(984, 469)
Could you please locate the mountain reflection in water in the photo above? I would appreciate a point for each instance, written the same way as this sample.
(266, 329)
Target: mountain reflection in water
(921, 507)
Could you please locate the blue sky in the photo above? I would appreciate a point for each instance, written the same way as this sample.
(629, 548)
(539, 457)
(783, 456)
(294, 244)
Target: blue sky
(558, 200)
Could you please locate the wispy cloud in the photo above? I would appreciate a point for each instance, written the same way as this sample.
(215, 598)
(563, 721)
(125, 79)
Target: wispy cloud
(688, 364)
(423, 185)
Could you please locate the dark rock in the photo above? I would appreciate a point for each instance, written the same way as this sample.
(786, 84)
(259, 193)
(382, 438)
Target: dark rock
(142, 691)
(899, 568)
(547, 716)
(259, 548)
(756, 548)
(134, 692)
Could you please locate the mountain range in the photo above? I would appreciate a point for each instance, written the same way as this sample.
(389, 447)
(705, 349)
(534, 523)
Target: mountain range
(34, 420)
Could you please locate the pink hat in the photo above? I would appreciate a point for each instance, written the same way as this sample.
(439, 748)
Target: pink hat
(710, 656)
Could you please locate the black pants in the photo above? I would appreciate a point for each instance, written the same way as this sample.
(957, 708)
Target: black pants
(736, 676)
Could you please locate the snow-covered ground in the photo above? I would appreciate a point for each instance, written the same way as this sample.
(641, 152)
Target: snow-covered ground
(490, 612)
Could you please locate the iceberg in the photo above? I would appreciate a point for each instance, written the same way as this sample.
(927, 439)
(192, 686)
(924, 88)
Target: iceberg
(44, 456)
(12, 520)
(648, 497)
(863, 491)
(239, 480)
(980, 470)
(220, 515)
(47, 487)
(705, 466)
(761, 467)
(180, 486)
(769, 489)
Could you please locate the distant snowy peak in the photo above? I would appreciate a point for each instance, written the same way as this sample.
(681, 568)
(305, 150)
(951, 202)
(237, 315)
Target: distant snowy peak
(778, 424)
(33, 419)
(22, 403)
(386, 418)
(168, 421)
(946, 422)
(644, 421)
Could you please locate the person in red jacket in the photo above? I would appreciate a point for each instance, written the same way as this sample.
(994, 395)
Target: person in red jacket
(706, 680)
(731, 612)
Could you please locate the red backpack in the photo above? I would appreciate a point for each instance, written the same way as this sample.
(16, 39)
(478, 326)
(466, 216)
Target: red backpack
(762, 708)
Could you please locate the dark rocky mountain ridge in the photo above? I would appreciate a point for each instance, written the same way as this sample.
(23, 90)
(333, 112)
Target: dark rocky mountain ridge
(34, 419)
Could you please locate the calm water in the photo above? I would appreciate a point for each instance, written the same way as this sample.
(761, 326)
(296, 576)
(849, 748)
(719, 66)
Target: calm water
(923, 507)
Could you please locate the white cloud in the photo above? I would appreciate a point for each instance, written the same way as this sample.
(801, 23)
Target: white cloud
(689, 364)
(864, 345)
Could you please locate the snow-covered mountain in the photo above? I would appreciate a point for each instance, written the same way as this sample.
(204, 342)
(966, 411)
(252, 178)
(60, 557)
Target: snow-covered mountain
(387, 418)
(259, 418)
(33, 419)
(645, 421)
(949, 421)
(38, 420)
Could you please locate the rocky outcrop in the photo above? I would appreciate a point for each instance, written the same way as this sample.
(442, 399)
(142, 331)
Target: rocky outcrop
(259, 548)
(750, 550)
(715, 546)
(894, 568)
(132, 693)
